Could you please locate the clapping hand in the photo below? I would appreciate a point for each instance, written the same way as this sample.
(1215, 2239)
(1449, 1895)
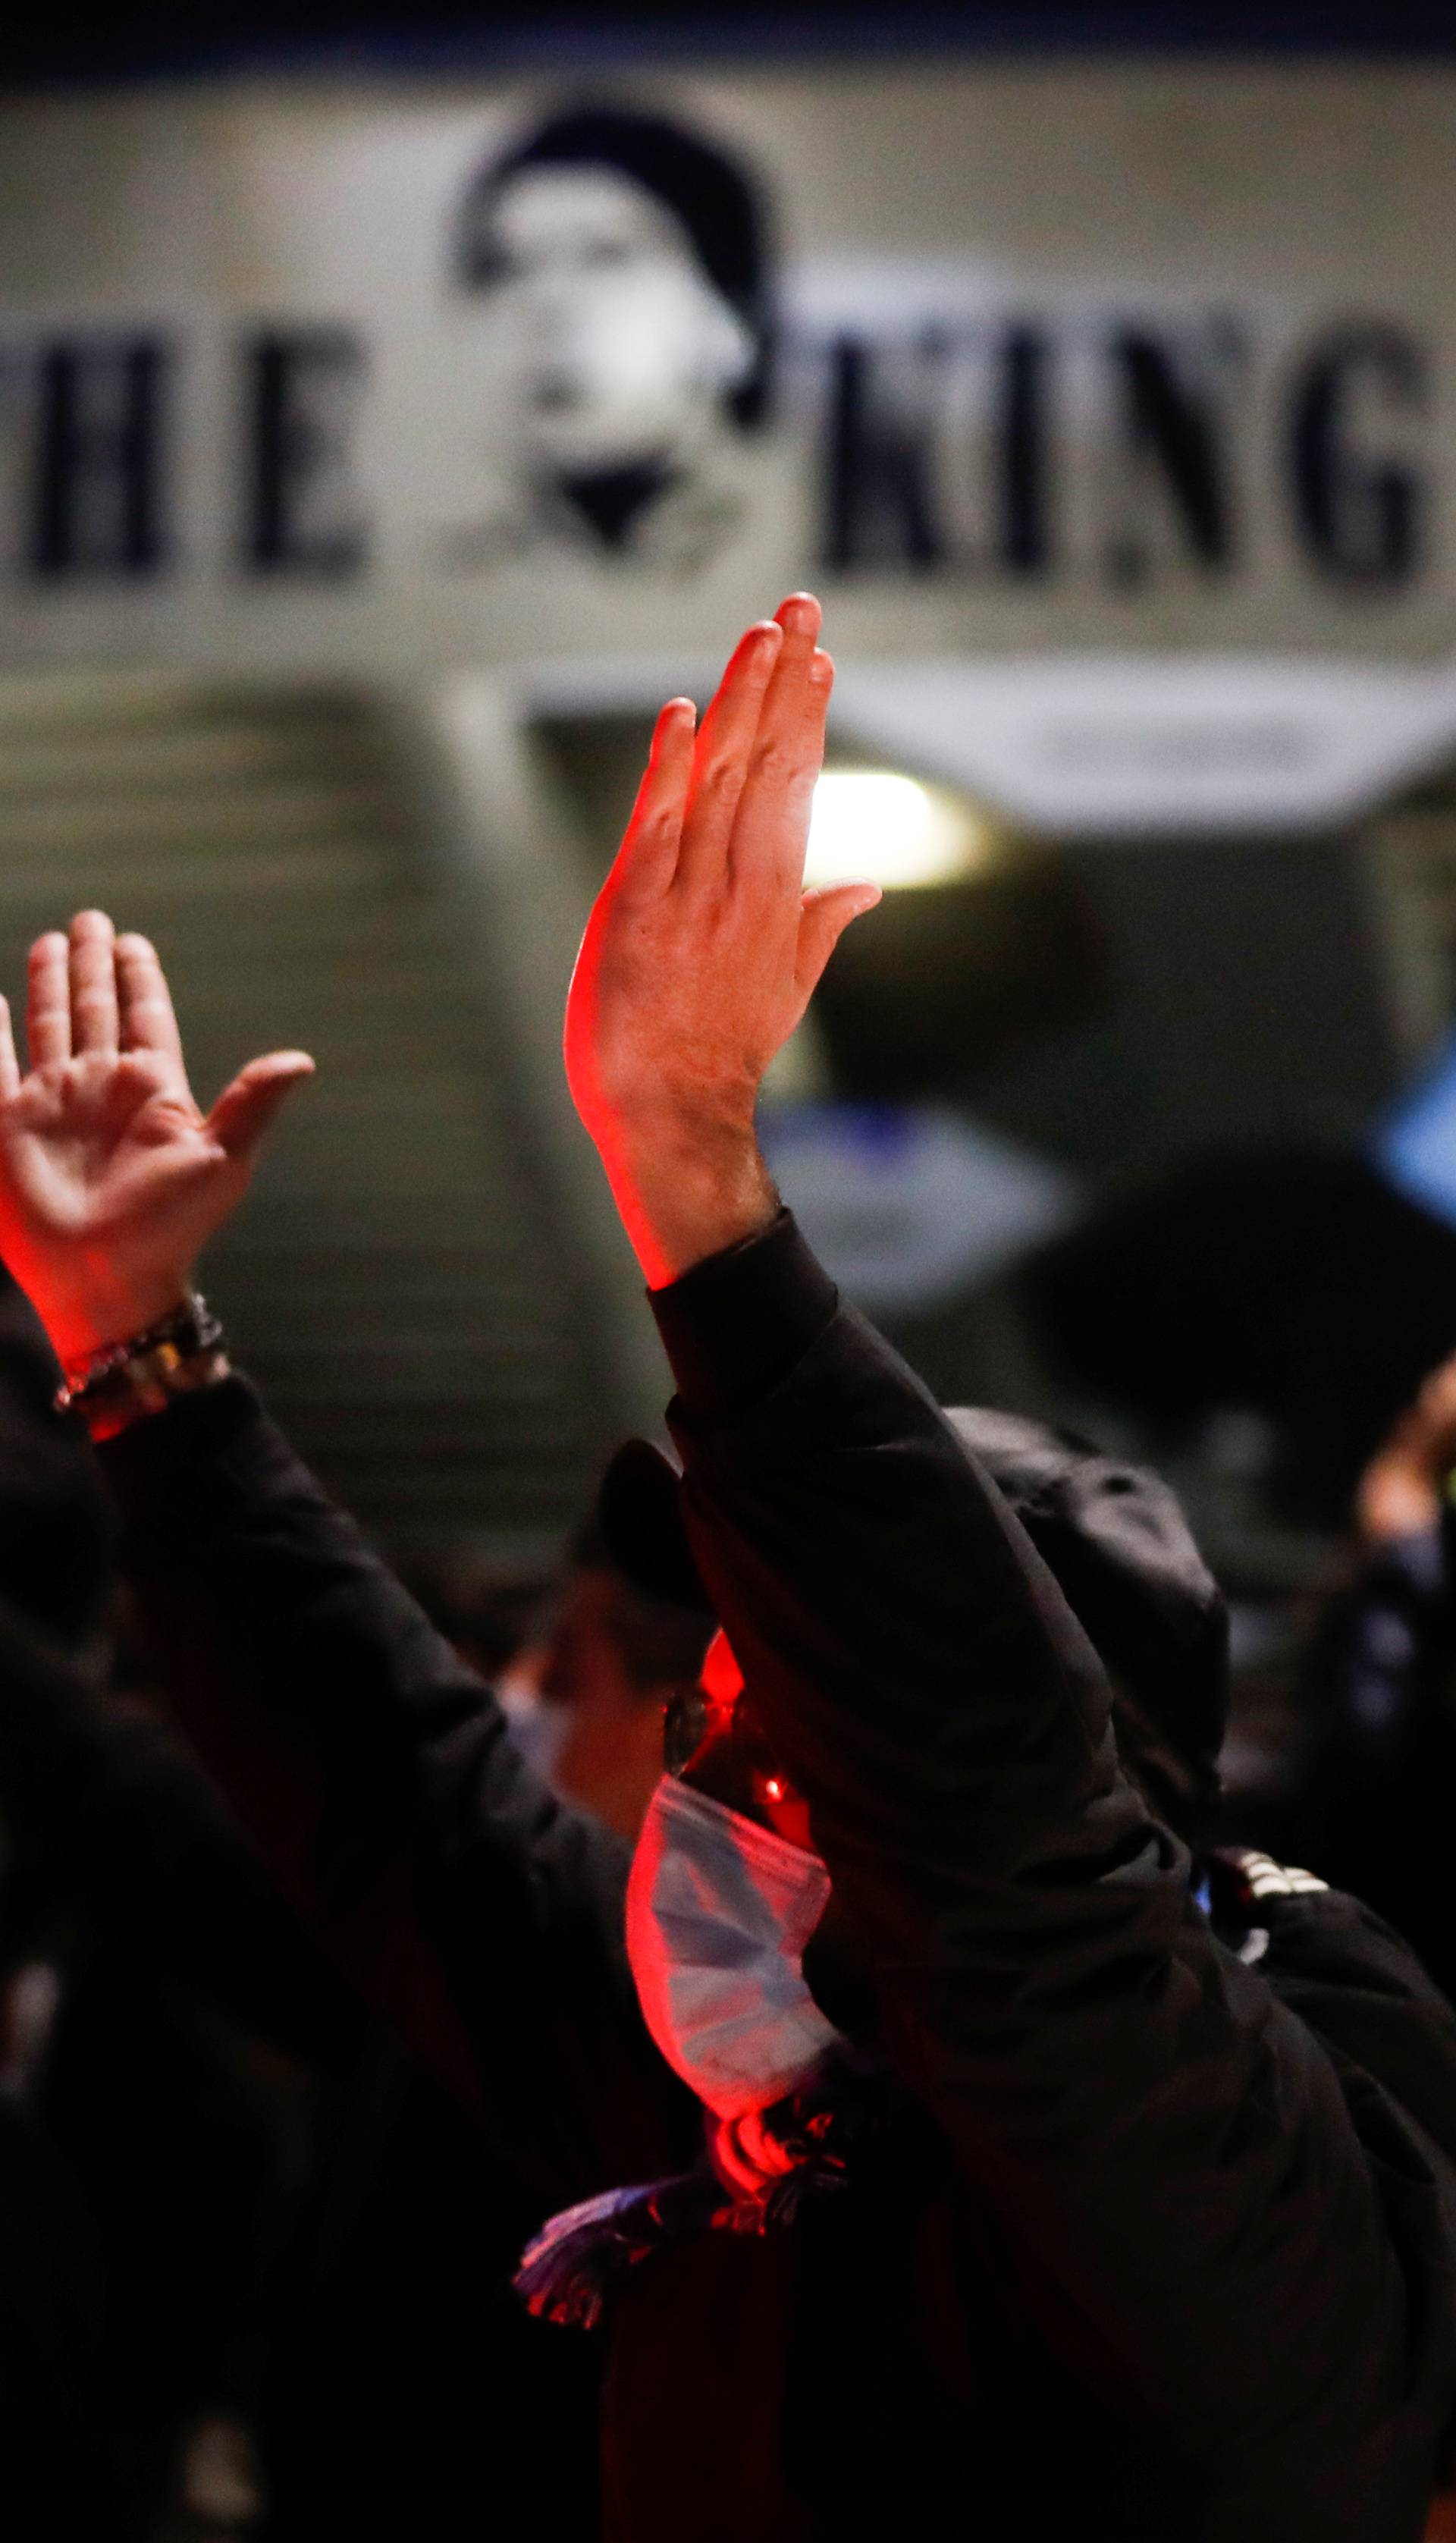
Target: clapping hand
(704, 948)
(111, 1179)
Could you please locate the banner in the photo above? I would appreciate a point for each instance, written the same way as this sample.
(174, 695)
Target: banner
(999, 359)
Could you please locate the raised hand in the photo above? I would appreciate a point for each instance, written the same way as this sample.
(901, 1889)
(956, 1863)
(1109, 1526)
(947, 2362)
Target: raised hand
(1400, 1491)
(704, 948)
(111, 1179)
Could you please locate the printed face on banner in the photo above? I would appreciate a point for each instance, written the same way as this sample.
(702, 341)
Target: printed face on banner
(615, 260)
(619, 350)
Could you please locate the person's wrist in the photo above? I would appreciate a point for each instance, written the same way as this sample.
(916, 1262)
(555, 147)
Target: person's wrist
(83, 1320)
(689, 1181)
(153, 1380)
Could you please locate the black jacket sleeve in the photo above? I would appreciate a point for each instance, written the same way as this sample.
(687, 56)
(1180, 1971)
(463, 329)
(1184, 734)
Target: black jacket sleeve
(1170, 2144)
(107, 1816)
(480, 1916)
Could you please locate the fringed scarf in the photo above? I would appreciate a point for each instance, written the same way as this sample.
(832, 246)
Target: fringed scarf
(754, 2176)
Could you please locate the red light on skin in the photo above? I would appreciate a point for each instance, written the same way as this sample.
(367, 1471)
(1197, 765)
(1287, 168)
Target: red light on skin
(720, 1678)
(722, 1681)
(787, 1813)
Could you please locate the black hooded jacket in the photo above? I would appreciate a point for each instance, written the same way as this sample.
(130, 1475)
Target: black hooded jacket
(1163, 2244)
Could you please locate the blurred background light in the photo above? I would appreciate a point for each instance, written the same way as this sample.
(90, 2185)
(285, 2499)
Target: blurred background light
(893, 830)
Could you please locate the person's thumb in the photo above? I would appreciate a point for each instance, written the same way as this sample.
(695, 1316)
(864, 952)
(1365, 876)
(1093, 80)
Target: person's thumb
(246, 1110)
(825, 915)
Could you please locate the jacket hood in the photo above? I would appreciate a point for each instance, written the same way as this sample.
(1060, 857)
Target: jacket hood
(1115, 1538)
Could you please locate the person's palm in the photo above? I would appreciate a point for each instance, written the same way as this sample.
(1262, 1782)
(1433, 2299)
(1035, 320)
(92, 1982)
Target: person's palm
(111, 1179)
(96, 1151)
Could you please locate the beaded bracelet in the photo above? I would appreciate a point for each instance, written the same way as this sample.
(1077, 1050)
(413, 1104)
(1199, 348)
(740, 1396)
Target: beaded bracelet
(180, 1353)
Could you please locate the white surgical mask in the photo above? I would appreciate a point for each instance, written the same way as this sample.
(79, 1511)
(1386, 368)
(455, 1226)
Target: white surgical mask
(719, 1911)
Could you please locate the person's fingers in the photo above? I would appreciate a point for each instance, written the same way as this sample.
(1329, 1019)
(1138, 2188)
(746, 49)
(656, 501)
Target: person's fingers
(771, 832)
(147, 1020)
(649, 851)
(800, 618)
(49, 1012)
(790, 732)
(723, 749)
(824, 917)
(8, 1065)
(245, 1109)
(93, 972)
(801, 611)
(1395, 1499)
(1437, 1397)
(815, 717)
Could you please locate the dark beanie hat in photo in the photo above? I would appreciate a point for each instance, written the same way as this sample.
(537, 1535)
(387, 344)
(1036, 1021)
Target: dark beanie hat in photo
(715, 200)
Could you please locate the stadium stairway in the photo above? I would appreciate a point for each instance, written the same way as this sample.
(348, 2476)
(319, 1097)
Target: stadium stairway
(420, 1280)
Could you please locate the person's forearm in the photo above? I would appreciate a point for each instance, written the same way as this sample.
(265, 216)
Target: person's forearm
(481, 1917)
(687, 1187)
(869, 1569)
